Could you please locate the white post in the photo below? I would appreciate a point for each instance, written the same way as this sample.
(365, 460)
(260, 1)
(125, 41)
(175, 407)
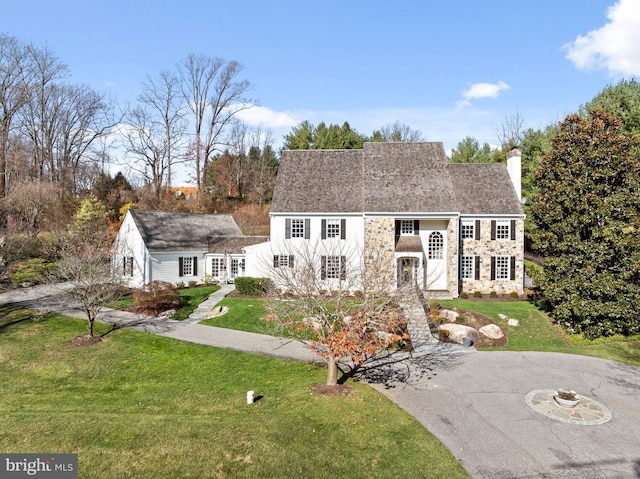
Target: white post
(250, 397)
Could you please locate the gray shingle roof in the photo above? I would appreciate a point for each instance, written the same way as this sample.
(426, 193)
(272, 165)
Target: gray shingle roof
(484, 189)
(170, 231)
(393, 178)
(234, 245)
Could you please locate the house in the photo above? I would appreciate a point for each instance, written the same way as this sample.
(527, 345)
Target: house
(401, 212)
(179, 248)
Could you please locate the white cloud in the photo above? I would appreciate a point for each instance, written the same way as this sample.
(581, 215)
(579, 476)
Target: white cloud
(266, 117)
(481, 90)
(614, 46)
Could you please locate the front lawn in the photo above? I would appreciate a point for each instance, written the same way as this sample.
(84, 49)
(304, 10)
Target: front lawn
(536, 332)
(145, 406)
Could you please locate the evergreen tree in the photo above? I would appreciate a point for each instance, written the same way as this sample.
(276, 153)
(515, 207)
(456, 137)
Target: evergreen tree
(587, 217)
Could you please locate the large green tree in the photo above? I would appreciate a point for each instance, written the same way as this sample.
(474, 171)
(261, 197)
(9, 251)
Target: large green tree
(621, 100)
(470, 151)
(587, 216)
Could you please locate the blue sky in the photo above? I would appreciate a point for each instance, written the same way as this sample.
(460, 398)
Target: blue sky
(449, 69)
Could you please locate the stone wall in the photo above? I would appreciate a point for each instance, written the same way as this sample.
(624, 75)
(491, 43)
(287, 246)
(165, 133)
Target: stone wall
(453, 235)
(485, 247)
(379, 249)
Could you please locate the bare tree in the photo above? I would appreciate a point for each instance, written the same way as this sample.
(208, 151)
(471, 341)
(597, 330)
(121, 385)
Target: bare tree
(324, 293)
(12, 96)
(511, 133)
(215, 95)
(31, 205)
(398, 131)
(155, 129)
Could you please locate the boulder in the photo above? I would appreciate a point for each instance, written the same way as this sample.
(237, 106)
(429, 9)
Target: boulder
(512, 322)
(448, 315)
(492, 331)
(503, 316)
(458, 332)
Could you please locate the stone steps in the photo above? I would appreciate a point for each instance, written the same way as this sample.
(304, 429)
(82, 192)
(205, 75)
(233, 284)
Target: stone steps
(415, 309)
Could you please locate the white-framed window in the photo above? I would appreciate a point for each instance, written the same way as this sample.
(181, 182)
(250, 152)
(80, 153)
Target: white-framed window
(467, 266)
(217, 267)
(333, 267)
(188, 266)
(235, 267)
(282, 261)
(503, 229)
(468, 230)
(502, 267)
(436, 245)
(127, 266)
(297, 228)
(333, 228)
(406, 227)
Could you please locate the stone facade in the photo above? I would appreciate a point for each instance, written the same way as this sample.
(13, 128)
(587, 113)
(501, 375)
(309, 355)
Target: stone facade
(453, 235)
(486, 248)
(379, 249)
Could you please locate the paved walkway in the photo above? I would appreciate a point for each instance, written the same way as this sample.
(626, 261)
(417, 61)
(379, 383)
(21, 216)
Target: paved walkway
(475, 403)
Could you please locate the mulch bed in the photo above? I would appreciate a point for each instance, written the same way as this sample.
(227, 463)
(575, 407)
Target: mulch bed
(337, 390)
(476, 321)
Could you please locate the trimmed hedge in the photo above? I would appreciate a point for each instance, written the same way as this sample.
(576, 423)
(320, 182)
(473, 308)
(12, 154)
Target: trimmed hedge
(252, 286)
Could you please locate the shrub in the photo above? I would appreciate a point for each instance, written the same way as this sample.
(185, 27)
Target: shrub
(444, 333)
(514, 294)
(180, 284)
(252, 286)
(208, 279)
(192, 283)
(460, 319)
(493, 294)
(156, 297)
(463, 295)
(34, 270)
(477, 294)
(434, 306)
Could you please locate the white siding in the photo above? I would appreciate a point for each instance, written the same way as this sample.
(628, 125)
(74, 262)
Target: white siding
(129, 243)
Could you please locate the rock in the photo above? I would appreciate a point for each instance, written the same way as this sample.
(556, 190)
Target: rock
(512, 322)
(312, 321)
(218, 311)
(448, 314)
(457, 332)
(492, 331)
(503, 316)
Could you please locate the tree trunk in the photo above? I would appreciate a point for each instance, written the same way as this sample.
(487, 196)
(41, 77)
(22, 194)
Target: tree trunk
(332, 371)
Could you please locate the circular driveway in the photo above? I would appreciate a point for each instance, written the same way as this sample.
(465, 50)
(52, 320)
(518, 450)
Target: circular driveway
(476, 405)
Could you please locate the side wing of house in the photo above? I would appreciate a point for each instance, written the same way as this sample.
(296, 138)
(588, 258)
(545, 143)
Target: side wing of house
(129, 263)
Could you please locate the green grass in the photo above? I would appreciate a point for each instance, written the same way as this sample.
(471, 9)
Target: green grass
(145, 406)
(244, 314)
(536, 332)
(191, 298)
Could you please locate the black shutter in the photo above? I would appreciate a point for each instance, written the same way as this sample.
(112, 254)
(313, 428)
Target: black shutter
(476, 269)
(512, 269)
(416, 227)
(493, 268)
(323, 267)
(195, 266)
(513, 230)
(180, 265)
(324, 229)
(307, 229)
(343, 268)
(397, 235)
(493, 229)
(290, 261)
(275, 260)
(124, 266)
(477, 230)
(343, 228)
(287, 228)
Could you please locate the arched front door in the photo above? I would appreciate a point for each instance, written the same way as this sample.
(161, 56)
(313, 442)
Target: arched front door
(436, 274)
(407, 270)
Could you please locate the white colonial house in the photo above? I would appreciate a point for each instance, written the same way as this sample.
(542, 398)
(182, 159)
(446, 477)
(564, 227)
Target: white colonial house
(179, 248)
(396, 212)
(399, 211)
